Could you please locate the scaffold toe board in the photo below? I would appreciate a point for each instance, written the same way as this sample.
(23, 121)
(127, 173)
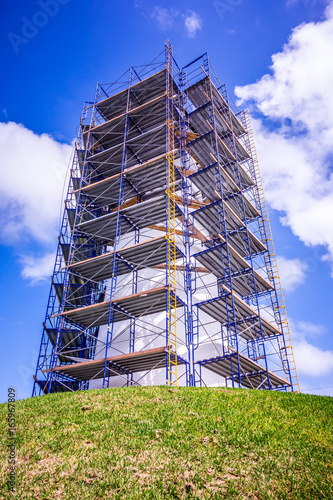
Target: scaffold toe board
(142, 255)
(139, 216)
(131, 306)
(140, 361)
(246, 319)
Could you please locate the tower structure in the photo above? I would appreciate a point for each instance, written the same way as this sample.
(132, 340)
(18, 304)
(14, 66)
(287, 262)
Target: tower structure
(165, 269)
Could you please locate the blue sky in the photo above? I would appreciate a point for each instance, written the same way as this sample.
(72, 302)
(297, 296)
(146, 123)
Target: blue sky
(50, 65)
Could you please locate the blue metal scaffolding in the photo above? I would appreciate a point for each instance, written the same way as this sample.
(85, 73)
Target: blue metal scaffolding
(165, 269)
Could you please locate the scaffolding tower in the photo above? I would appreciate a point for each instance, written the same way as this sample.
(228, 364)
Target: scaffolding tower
(165, 271)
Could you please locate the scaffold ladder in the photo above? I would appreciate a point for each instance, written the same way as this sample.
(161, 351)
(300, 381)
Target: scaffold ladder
(287, 353)
(172, 377)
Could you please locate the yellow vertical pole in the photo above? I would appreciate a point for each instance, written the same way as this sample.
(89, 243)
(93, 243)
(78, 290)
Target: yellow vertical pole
(171, 226)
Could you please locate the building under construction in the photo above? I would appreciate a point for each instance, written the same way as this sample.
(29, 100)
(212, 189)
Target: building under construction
(165, 271)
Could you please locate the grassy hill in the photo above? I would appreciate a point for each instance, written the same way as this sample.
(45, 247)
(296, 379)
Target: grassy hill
(157, 443)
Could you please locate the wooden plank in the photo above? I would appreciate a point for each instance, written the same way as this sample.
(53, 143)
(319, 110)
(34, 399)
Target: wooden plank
(126, 89)
(114, 359)
(182, 268)
(114, 301)
(137, 245)
(126, 171)
(193, 204)
(260, 367)
(94, 129)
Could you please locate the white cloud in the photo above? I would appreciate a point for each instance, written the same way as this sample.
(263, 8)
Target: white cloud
(294, 134)
(193, 23)
(164, 17)
(304, 330)
(292, 272)
(168, 19)
(33, 169)
(310, 360)
(37, 269)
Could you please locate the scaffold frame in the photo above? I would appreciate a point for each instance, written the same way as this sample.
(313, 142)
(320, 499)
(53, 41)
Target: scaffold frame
(165, 270)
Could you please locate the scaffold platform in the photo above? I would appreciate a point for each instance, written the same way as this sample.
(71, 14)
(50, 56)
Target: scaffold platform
(138, 216)
(245, 318)
(123, 364)
(253, 376)
(149, 253)
(131, 306)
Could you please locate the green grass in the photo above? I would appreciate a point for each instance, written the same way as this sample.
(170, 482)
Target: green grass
(160, 443)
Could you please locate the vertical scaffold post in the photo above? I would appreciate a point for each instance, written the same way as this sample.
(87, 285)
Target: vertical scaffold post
(246, 242)
(171, 316)
(76, 169)
(225, 292)
(118, 229)
(186, 200)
